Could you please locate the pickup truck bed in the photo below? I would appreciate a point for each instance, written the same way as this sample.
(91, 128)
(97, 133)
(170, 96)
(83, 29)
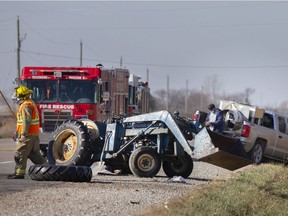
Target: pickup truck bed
(250, 134)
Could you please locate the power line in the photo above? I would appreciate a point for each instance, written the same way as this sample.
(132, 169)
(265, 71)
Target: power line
(46, 38)
(5, 52)
(47, 54)
(167, 65)
(93, 51)
(62, 56)
(187, 8)
(192, 27)
(35, 60)
(8, 19)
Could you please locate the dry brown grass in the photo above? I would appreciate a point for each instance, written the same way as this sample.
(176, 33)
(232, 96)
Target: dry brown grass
(262, 190)
(7, 126)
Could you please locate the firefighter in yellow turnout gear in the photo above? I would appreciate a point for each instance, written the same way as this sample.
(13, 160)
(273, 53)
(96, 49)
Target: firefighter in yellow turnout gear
(27, 132)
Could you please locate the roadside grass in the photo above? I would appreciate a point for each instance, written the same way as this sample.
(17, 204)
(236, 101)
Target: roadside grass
(261, 190)
(7, 126)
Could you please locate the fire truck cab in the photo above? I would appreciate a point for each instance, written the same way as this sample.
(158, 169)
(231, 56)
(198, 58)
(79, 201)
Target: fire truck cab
(94, 93)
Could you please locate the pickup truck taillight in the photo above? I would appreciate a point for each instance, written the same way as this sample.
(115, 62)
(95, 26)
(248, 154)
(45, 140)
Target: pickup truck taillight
(245, 131)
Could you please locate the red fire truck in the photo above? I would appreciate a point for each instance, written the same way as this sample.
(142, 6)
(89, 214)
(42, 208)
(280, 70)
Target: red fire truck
(93, 93)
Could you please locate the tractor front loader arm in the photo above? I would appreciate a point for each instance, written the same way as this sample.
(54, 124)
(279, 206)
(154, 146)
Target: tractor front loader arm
(166, 118)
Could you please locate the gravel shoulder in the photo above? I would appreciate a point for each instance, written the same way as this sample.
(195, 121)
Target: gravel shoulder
(104, 195)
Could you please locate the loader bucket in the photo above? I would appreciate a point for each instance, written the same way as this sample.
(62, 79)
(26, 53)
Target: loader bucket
(220, 150)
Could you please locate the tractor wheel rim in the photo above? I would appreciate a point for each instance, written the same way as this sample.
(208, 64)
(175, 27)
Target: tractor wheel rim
(69, 147)
(146, 162)
(65, 147)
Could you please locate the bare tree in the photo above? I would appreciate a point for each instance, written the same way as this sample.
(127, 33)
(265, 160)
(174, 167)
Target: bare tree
(212, 87)
(240, 97)
(197, 100)
(282, 108)
(248, 93)
(177, 101)
(160, 100)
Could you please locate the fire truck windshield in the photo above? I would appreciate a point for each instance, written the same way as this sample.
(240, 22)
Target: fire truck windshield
(43, 90)
(77, 91)
(63, 91)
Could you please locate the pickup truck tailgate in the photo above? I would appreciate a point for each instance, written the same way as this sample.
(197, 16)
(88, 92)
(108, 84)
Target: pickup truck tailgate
(220, 150)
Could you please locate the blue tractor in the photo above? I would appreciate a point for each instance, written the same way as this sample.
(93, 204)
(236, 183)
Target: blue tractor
(138, 144)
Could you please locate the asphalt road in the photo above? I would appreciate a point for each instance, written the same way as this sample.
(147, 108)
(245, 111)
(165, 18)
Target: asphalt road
(7, 164)
(7, 148)
(106, 194)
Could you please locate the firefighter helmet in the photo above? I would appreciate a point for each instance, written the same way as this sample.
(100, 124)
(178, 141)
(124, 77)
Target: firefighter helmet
(23, 92)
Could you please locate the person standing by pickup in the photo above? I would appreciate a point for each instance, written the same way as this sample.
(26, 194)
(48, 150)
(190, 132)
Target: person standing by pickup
(27, 133)
(214, 119)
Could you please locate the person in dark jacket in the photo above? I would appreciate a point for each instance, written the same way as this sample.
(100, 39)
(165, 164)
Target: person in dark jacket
(215, 120)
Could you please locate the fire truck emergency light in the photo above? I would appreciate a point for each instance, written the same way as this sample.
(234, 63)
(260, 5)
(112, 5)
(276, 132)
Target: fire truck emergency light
(57, 74)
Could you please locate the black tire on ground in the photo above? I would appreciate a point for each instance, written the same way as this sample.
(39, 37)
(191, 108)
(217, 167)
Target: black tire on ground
(71, 144)
(256, 154)
(144, 162)
(60, 173)
(178, 166)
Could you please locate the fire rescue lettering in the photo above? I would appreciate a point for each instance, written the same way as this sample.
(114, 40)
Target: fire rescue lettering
(75, 77)
(40, 77)
(56, 106)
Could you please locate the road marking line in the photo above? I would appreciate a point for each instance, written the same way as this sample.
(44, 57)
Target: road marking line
(5, 162)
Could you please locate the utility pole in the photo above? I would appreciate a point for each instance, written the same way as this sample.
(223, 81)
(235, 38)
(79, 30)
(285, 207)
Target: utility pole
(186, 99)
(18, 47)
(19, 42)
(81, 52)
(167, 101)
(121, 61)
(147, 75)
(201, 99)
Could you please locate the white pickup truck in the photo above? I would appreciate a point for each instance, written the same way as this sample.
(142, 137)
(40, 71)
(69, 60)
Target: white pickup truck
(262, 133)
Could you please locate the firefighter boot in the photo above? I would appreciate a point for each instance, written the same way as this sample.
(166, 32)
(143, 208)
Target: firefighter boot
(14, 176)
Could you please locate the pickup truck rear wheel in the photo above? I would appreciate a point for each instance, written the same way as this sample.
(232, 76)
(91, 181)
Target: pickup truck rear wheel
(60, 173)
(144, 162)
(178, 166)
(256, 154)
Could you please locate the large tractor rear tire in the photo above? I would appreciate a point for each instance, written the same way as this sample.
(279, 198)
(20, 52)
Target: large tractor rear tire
(72, 144)
(144, 162)
(178, 166)
(60, 173)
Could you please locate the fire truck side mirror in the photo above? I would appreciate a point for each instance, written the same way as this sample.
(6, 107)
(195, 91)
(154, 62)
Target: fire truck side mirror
(100, 82)
(16, 81)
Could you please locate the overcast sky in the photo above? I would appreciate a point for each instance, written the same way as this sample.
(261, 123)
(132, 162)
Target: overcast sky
(243, 43)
